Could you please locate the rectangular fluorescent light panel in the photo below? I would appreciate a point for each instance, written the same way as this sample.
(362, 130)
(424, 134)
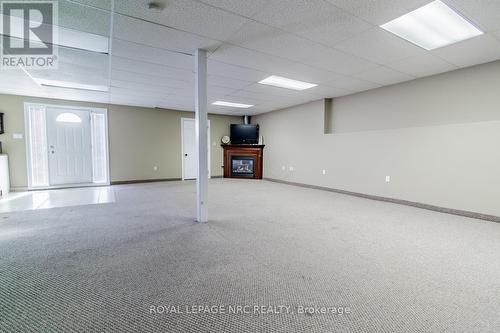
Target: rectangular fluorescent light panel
(432, 26)
(70, 85)
(283, 82)
(233, 105)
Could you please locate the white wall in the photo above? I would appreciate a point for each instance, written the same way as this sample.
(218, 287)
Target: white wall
(438, 138)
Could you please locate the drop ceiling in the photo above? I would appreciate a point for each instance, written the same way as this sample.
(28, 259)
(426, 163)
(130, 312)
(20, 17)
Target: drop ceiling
(336, 44)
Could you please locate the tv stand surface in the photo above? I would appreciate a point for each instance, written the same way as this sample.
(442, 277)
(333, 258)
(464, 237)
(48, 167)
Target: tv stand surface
(243, 145)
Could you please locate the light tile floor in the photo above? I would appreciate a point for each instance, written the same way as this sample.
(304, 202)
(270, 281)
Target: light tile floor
(19, 201)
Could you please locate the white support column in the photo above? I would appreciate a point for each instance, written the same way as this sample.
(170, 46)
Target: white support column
(201, 136)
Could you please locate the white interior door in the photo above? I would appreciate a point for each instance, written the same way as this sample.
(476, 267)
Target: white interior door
(69, 146)
(189, 157)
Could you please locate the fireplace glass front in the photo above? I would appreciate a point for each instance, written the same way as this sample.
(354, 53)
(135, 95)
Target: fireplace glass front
(243, 166)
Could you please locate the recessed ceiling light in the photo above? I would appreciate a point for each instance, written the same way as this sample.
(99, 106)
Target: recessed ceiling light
(432, 26)
(283, 82)
(233, 105)
(70, 85)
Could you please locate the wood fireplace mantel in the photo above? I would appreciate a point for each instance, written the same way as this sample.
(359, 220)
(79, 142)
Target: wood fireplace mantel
(247, 151)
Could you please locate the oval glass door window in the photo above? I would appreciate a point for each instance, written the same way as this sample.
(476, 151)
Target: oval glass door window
(68, 117)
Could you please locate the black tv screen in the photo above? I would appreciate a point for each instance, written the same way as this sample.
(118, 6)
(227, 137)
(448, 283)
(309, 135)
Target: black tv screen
(241, 133)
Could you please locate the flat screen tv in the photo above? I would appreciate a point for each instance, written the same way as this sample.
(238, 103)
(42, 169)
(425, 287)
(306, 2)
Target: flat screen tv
(248, 134)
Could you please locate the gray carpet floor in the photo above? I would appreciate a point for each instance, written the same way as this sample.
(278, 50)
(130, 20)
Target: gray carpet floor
(102, 268)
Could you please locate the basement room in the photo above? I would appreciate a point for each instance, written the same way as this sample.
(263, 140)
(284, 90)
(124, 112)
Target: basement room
(249, 166)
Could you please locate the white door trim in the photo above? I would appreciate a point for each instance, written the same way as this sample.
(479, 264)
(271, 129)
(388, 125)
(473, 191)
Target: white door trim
(27, 140)
(182, 147)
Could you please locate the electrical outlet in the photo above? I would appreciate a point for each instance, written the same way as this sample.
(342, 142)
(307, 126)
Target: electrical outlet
(324, 171)
(292, 168)
(283, 168)
(155, 168)
(387, 179)
(17, 136)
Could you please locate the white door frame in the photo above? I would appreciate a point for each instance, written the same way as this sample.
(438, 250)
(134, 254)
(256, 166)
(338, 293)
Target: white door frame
(182, 147)
(28, 144)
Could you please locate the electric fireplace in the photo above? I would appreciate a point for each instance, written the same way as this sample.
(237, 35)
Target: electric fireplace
(243, 161)
(243, 166)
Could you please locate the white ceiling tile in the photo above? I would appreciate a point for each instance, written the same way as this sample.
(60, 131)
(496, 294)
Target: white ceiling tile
(218, 91)
(384, 75)
(84, 18)
(379, 11)
(152, 69)
(328, 92)
(352, 84)
(90, 60)
(153, 55)
(317, 20)
(278, 105)
(335, 61)
(103, 4)
(223, 81)
(422, 65)
(253, 95)
(251, 59)
(379, 46)
(188, 15)
(75, 95)
(234, 71)
(149, 34)
(483, 13)
(138, 94)
(471, 52)
(142, 87)
(241, 7)
(126, 100)
(269, 40)
(73, 73)
(148, 79)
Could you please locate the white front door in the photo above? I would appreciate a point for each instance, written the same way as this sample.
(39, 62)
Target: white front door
(189, 157)
(69, 146)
